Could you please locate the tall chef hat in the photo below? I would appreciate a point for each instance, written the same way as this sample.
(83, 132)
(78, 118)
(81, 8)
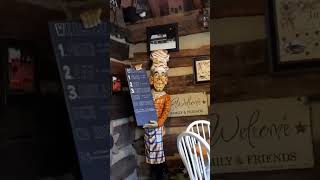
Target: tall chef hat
(159, 59)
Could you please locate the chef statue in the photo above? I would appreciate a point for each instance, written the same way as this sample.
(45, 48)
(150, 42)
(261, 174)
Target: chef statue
(154, 131)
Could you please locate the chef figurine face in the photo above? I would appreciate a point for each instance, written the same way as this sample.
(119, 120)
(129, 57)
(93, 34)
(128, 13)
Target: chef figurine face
(159, 80)
(159, 69)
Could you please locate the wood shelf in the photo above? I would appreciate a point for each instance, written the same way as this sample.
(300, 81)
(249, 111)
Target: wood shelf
(188, 24)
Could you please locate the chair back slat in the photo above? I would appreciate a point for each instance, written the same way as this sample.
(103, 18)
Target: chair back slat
(191, 148)
(203, 130)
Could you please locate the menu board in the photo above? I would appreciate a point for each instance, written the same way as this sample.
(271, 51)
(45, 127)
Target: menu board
(84, 68)
(141, 96)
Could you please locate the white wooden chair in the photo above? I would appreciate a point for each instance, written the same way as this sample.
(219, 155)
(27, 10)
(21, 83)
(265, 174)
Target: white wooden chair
(195, 154)
(200, 127)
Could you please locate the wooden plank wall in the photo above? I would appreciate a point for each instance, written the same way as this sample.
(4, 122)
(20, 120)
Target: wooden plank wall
(240, 71)
(180, 81)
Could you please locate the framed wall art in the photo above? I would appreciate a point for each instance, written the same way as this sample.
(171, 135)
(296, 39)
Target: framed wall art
(201, 66)
(20, 70)
(163, 37)
(294, 34)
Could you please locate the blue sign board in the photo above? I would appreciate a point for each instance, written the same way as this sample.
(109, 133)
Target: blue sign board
(83, 61)
(141, 96)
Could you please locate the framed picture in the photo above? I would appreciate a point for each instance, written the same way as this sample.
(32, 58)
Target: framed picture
(20, 70)
(294, 35)
(163, 37)
(201, 66)
(18, 64)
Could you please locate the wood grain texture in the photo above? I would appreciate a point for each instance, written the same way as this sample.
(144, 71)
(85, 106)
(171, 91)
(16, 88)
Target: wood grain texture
(185, 84)
(183, 121)
(174, 62)
(242, 73)
(231, 8)
(188, 24)
(183, 53)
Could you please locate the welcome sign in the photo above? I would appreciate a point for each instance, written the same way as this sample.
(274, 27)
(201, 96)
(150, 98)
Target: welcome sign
(261, 135)
(189, 104)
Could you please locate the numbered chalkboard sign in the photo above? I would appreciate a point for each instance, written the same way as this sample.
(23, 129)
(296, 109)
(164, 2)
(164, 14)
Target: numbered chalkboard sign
(82, 58)
(141, 96)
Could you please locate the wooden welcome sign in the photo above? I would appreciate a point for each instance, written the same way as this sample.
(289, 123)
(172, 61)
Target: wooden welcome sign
(261, 135)
(189, 104)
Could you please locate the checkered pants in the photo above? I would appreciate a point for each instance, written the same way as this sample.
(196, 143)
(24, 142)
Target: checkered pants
(154, 145)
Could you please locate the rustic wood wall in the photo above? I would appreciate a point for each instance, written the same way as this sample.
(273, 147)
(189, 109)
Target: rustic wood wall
(240, 71)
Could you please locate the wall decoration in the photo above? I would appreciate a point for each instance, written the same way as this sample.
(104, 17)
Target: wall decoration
(294, 34)
(201, 69)
(20, 70)
(163, 37)
(190, 104)
(116, 84)
(269, 134)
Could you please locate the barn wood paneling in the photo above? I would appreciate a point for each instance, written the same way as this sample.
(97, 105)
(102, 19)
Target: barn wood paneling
(183, 53)
(241, 72)
(182, 121)
(188, 24)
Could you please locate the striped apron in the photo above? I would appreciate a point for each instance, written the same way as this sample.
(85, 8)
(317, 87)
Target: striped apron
(154, 145)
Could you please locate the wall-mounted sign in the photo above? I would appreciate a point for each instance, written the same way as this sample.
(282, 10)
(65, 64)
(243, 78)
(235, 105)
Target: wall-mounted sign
(190, 104)
(81, 56)
(141, 96)
(201, 69)
(163, 37)
(294, 27)
(261, 135)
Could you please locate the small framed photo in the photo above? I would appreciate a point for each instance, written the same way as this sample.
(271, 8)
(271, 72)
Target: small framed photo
(163, 37)
(21, 70)
(294, 35)
(201, 66)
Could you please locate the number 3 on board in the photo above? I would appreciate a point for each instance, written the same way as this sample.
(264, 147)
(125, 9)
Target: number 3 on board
(72, 92)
